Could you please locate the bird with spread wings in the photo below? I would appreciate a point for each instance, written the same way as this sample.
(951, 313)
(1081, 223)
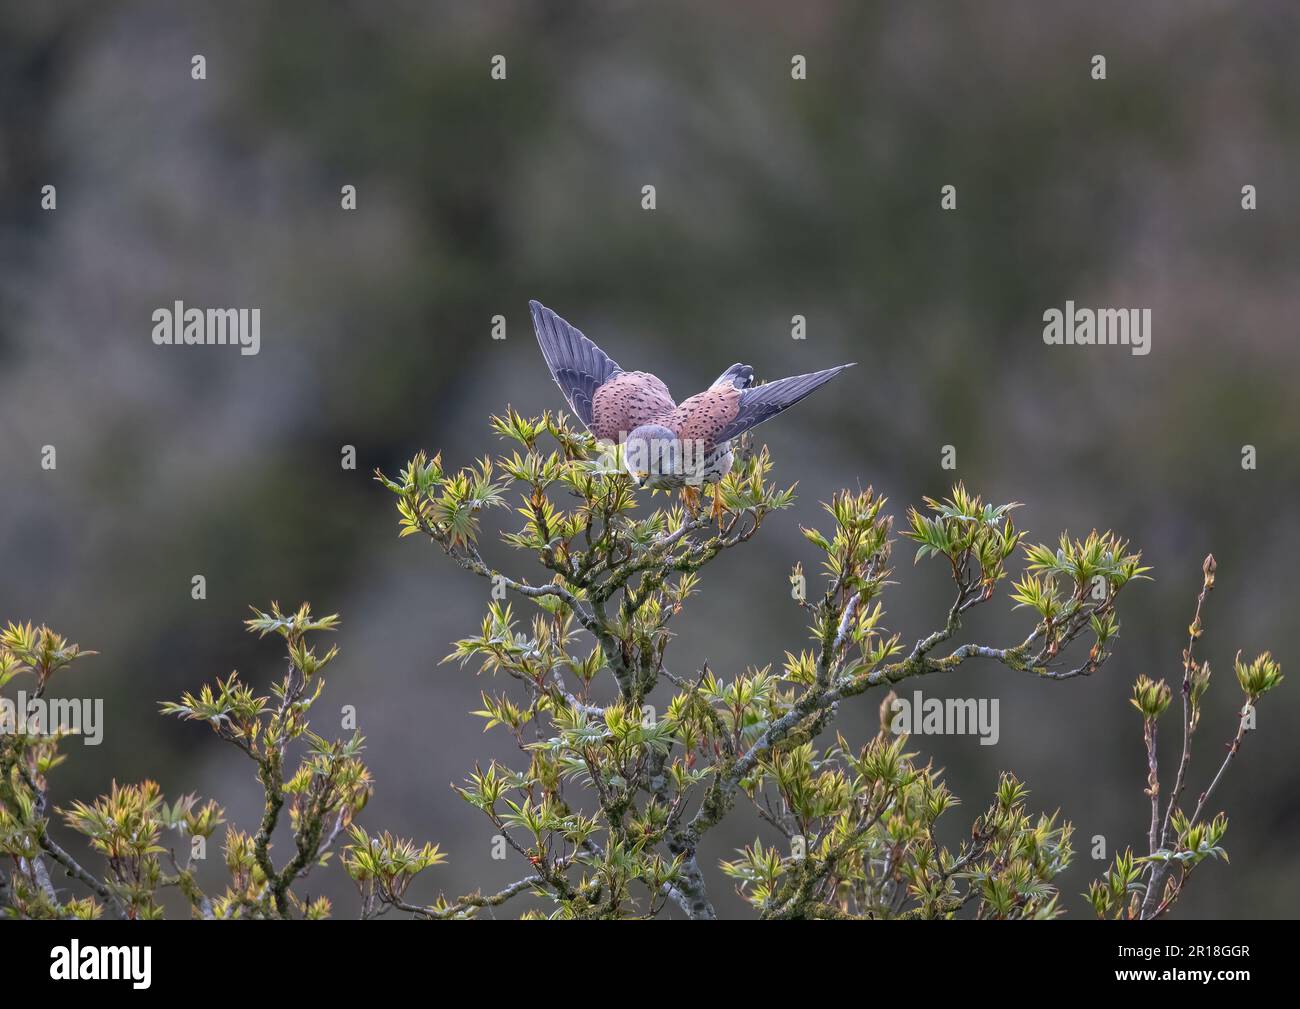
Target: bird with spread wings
(665, 444)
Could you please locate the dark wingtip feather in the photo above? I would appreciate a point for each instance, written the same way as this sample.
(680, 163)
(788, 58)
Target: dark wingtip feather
(740, 376)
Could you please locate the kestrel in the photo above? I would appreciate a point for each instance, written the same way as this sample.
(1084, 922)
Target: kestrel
(665, 445)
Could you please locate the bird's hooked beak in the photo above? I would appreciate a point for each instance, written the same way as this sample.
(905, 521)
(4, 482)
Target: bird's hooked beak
(640, 477)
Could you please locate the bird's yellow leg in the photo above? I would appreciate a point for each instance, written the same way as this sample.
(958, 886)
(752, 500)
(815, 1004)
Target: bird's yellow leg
(717, 504)
(691, 499)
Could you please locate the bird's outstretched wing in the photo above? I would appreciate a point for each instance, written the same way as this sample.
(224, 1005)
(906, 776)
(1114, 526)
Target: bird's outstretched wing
(609, 400)
(763, 402)
(578, 366)
(724, 411)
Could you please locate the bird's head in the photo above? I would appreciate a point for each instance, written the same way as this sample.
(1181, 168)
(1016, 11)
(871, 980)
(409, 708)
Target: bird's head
(651, 454)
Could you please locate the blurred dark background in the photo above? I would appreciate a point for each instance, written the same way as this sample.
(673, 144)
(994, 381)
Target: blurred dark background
(775, 197)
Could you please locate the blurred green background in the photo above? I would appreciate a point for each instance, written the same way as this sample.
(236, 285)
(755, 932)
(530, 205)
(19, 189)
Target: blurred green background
(775, 197)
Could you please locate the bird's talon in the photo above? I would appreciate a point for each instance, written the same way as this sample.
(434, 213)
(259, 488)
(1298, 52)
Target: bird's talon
(691, 499)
